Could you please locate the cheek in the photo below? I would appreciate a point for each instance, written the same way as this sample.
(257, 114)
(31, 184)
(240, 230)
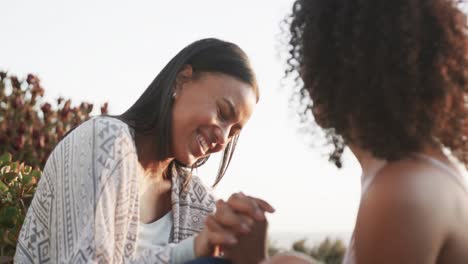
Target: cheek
(186, 122)
(201, 117)
(179, 128)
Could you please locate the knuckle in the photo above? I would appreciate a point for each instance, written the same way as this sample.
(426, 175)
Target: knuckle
(233, 197)
(219, 203)
(249, 221)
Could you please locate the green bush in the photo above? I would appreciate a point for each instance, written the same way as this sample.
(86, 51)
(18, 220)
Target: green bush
(328, 251)
(17, 186)
(29, 130)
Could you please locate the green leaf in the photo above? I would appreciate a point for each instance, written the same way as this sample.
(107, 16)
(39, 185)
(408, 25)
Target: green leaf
(8, 216)
(27, 179)
(14, 166)
(36, 174)
(10, 176)
(3, 187)
(5, 158)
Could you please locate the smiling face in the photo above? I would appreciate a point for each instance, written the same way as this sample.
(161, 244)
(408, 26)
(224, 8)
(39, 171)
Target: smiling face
(208, 112)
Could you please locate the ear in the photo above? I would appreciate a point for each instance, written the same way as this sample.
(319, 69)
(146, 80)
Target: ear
(186, 71)
(183, 76)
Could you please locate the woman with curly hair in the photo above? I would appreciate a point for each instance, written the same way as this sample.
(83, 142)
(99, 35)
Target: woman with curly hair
(389, 80)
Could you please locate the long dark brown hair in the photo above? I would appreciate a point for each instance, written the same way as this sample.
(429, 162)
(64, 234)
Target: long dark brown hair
(153, 110)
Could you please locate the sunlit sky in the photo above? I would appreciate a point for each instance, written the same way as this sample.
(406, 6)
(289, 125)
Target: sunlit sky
(100, 51)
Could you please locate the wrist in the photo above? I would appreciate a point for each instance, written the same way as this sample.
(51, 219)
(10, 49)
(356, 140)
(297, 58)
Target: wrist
(201, 245)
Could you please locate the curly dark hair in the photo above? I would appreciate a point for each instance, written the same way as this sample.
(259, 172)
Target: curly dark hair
(389, 76)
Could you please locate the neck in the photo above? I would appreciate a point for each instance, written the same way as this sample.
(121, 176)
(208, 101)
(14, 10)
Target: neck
(147, 156)
(367, 161)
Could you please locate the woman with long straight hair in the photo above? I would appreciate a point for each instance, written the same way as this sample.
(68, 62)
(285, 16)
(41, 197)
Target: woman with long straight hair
(119, 189)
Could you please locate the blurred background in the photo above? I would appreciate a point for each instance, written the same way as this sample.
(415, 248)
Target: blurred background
(110, 51)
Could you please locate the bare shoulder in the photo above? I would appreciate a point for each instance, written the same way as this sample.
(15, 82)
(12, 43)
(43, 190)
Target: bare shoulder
(413, 186)
(409, 205)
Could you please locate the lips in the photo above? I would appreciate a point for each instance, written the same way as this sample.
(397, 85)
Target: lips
(203, 143)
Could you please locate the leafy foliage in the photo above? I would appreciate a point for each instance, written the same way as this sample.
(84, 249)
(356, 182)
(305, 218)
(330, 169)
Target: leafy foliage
(327, 251)
(29, 130)
(29, 127)
(17, 186)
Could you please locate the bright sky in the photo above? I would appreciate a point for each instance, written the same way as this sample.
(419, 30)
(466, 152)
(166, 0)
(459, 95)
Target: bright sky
(110, 50)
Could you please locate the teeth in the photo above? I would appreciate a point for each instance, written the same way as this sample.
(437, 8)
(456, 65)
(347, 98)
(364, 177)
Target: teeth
(203, 143)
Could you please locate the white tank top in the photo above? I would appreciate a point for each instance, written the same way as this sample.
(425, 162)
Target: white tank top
(366, 181)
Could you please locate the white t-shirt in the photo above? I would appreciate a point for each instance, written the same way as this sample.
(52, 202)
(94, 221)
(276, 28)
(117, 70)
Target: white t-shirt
(158, 233)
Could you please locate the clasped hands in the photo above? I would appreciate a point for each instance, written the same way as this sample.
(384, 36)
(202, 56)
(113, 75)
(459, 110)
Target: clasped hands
(238, 228)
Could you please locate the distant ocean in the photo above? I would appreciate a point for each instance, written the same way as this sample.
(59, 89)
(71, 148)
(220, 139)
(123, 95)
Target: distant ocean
(285, 240)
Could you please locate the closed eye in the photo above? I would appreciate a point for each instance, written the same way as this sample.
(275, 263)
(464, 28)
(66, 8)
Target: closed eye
(227, 112)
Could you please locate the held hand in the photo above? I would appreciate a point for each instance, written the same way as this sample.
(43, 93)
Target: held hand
(240, 213)
(251, 247)
(250, 206)
(233, 218)
(212, 235)
(245, 217)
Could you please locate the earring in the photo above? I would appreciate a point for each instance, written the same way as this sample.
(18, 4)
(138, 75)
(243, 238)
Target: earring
(174, 95)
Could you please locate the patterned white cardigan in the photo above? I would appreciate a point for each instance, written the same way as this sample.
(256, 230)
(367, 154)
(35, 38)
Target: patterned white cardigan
(86, 207)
